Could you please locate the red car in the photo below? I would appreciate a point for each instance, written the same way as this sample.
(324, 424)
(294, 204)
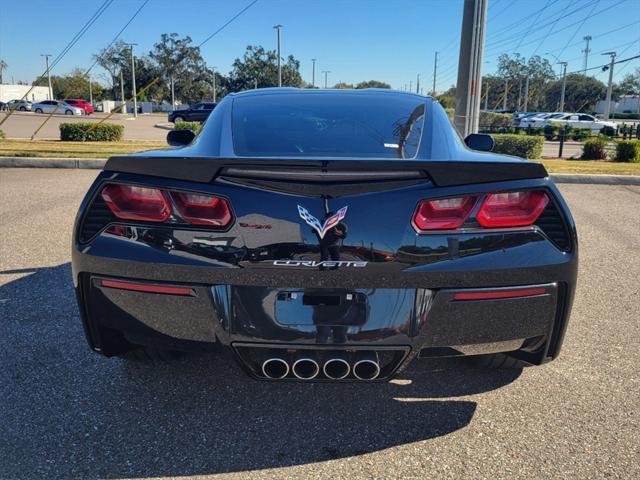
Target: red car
(83, 104)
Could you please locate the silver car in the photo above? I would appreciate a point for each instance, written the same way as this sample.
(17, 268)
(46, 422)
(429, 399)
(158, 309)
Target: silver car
(20, 105)
(48, 106)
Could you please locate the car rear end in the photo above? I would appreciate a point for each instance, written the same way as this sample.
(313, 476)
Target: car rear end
(326, 268)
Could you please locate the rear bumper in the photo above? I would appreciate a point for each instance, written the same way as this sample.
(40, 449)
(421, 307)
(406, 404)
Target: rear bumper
(411, 321)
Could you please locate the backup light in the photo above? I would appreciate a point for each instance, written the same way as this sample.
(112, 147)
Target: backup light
(512, 209)
(130, 202)
(446, 213)
(200, 209)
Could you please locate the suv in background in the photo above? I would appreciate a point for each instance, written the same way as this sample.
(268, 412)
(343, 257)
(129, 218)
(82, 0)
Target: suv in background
(80, 103)
(197, 113)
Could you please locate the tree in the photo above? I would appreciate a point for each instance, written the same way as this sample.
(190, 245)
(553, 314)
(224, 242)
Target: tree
(72, 85)
(3, 66)
(581, 93)
(259, 67)
(343, 86)
(113, 60)
(373, 84)
(630, 84)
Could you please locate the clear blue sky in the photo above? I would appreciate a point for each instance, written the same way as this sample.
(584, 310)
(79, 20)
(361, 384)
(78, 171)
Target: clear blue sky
(391, 40)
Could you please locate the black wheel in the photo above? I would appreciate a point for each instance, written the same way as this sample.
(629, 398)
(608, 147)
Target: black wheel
(150, 354)
(38, 110)
(498, 361)
(178, 119)
(23, 109)
(68, 112)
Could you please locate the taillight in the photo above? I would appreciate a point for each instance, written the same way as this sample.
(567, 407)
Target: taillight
(130, 202)
(512, 209)
(200, 209)
(445, 213)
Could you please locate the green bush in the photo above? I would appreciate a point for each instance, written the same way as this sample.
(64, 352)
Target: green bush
(628, 151)
(595, 149)
(91, 132)
(450, 113)
(579, 134)
(195, 126)
(2, 135)
(495, 120)
(626, 116)
(525, 146)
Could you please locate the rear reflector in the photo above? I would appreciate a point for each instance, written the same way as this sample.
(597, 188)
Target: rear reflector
(497, 294)
(145, 287)
(445, 213)
(200, 209)
(130, 202)
(512, 209)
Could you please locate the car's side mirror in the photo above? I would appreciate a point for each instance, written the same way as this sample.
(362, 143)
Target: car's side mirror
(179, 138)
(480, 141)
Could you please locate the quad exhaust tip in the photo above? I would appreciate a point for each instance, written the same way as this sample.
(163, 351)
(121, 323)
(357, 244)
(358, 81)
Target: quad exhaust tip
(305, 368)
(336, 368)
(367, 367)
(275, 368)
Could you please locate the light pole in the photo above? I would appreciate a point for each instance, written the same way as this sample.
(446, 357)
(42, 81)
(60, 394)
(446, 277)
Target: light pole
(435, 75)
(133, 80)
(564, 84)
(586, 52)
(326, 72)
(46, 59)
(124, 104)
(278, 27)
(214, 84)
(313, 73)
(607, 105)
(418, 84)
(90, 91)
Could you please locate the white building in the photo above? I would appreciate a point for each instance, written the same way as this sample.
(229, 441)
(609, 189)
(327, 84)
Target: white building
(16, 92)
(626, 103)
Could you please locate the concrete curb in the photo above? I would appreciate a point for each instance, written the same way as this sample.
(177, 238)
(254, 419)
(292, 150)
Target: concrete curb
(98, 163)
(164, 125)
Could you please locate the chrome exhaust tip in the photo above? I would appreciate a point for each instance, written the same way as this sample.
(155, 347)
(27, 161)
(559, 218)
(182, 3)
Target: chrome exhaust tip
(336, 368)
(275, 368)
(305, 368)
(367, 366)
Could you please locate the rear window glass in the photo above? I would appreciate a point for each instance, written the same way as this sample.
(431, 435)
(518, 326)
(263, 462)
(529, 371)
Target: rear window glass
(324, 125)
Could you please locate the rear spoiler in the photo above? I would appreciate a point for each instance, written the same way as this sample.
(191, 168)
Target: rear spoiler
(442, 173)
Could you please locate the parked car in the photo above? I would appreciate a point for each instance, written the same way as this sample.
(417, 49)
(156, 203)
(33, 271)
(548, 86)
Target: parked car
(480, 250)
(197, 113)
(49, 106)
(3, 106)
(582, 121)
(537, 121)
(80, 103)
(518, 117)
(21, 105)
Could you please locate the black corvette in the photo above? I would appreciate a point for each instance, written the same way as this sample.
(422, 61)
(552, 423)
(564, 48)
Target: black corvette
(329, 235)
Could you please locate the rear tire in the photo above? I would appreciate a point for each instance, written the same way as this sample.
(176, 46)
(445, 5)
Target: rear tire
(150, 355)
(68, 112)
(38, 110)
(497, 361)
(23, 109)
(178, 119)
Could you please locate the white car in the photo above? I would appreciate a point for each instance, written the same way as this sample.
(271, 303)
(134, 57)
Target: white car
(537, 121)
(582, 121)
(49, 106)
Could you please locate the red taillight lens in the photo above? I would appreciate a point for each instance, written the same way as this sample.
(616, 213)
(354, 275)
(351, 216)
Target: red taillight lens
(130, 202)
(200, 209)
(445, 213)
(512, 209)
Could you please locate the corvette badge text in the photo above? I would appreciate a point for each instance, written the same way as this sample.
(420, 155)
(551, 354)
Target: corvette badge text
(323, 263)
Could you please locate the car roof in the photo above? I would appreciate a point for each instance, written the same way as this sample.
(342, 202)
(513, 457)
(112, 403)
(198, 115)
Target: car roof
(323, 91)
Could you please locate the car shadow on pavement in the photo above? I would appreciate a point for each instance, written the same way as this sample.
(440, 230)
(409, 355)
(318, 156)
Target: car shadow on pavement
(67, 412)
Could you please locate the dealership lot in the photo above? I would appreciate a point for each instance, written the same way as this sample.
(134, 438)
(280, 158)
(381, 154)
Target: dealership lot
(68, 413)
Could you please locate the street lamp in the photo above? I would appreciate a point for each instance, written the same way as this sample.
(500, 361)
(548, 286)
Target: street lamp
(278, 27)
(313, 73)
(564, 78)
(326, 72)
(133, 80)
(214, 84)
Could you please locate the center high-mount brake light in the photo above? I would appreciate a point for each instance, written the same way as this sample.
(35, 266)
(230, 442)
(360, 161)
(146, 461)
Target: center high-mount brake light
(130, 202)
(443, 214)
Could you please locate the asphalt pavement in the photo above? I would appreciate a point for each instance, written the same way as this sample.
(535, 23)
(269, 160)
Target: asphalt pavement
(69, 413)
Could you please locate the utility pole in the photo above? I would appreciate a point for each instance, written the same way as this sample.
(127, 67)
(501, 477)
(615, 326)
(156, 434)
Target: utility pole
(255, 83)
(326, 72)
(586, 52)
(46, 59)
(133, 80)
(124, 105)
(278, 27)
(564, 85)
(506, 93)
(90, 91)
(467, 111)
(607, 105)
(418, 84)
(526, 94)
(411, 85)
(173, 97)
(486, 98)
(214, 84)
(313, 73)
(435, 75)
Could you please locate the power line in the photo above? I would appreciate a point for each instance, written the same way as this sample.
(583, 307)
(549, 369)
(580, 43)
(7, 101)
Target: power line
(225, 25)
(61, 55)
(515, 49)
(553, 25)
(600, 35)
(578, 29)
(508, 28)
